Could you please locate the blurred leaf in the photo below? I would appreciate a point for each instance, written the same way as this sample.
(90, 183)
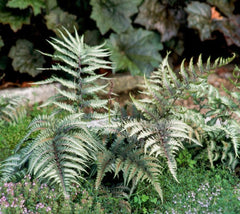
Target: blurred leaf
(225, 6)
(3, 63)
(136, 51)
(1, 43)
(51, 5)
(37, 5)
(14, 20)
(58, 18)
(25, 58)
(215, 15)
(199, 17)
(231, 29)
(92, 37)
(113, 14)
(154, 15)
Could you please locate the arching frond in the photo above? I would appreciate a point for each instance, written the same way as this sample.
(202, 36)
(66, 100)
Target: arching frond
(126, 157)
(59, 154)
(12, 109)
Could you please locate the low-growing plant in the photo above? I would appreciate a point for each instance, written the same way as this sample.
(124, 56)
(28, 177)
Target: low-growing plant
(30, 196)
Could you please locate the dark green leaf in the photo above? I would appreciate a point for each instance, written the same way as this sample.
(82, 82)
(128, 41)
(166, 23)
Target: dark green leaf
(15, 21)
(113, 14)
(37, 5)
(154, 15)
(25, 58)
(58, 18)
(199, 17)
(136, 51)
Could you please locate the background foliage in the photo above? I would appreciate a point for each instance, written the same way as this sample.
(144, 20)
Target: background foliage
(138, 32)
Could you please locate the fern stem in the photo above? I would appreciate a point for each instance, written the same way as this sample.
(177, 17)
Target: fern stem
(79, 89)
(56, 152)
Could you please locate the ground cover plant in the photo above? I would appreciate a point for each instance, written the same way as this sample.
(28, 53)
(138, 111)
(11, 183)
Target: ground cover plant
(86, 139)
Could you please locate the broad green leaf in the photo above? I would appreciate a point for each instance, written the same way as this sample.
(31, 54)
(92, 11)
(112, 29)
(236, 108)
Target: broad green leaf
(37, 5)
(113, 14)
(58, 18)
(25, 58)
(15, 21)
(199, 17)
(136, 51)
(156, 16)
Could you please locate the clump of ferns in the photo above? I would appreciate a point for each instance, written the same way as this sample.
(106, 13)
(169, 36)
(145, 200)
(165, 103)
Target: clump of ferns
(215, 118)
(12, 108)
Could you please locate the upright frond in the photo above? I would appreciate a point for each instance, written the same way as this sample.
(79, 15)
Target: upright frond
(79, 62)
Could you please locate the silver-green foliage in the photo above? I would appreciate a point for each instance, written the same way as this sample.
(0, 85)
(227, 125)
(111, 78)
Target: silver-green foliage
(60, 148)
(12, 108)
(79, 62)
(214, 119)
(161, 132)
(125, 156)
(59, 154)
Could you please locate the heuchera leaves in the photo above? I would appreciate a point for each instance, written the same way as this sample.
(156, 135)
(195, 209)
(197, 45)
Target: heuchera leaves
(113, 14)
(58, 18)
(231, 29)
(15, 21)
(154, 15)
(25, 58)
(37, 5)
(199, 17)
(136, 51)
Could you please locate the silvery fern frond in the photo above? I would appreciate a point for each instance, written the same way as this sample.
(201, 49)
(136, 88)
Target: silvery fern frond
(60, 153)
(12, 108)
(79, 62)
(125, 157)
(160, 130)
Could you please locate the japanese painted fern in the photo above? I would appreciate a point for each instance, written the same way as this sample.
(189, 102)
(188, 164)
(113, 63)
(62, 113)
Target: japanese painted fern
(79, 62)
(64, 146)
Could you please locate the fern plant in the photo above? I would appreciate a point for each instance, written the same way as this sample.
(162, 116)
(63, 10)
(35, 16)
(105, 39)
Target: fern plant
(213, 121)
(125, 159)
(65, 146)
(216, 120)
(59, 154)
